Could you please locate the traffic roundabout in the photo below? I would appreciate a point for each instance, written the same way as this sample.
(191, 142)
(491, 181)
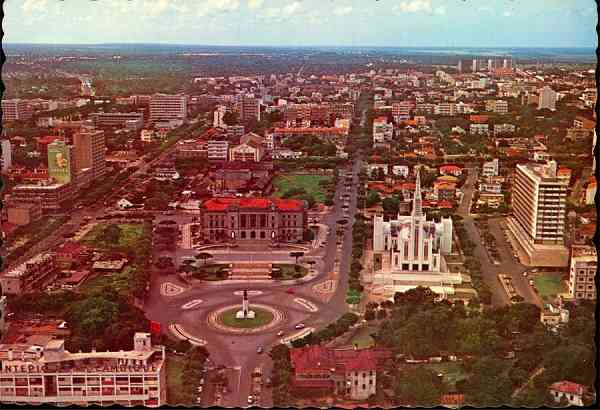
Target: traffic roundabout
(266, 318)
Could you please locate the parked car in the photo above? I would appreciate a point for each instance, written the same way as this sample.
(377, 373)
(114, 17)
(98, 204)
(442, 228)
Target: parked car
(280, 333)
(259, 350)
(300, 326)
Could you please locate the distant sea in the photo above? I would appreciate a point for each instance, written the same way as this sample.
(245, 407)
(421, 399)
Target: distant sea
(580, 54)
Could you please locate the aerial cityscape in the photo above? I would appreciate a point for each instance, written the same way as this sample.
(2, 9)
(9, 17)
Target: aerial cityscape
(259, 203)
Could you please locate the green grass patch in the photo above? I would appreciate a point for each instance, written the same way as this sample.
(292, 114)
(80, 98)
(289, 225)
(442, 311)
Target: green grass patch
(129, 236)
(175, 382)
(261, 317)
(549, 284)
(289, 271)
(119, 281)
(452, 372)
(310, 183)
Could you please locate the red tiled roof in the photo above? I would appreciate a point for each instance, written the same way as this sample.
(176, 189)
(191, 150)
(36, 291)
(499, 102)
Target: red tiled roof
(70, 247)
(452, 399)
(450, 168)
(566, 386)
(324, 130)
(312, 357)
(222, 204)
(48, 139)
(312, 383)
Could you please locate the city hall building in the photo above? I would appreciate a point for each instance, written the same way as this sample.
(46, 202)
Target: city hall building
(35, 375)
(251, 219)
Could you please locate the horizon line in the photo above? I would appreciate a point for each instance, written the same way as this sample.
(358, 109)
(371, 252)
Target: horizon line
(293, 46)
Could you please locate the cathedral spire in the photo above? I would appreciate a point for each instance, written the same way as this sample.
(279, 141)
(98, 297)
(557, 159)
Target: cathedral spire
(417, 210)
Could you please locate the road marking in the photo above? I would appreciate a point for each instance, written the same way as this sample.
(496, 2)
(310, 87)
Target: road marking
(170, 289)
(307, 304)
(250, 292)
(192, 304)
(297, 335)
(179, 332)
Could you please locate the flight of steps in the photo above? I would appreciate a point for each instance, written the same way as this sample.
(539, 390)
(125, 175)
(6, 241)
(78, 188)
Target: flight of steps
(250, 271)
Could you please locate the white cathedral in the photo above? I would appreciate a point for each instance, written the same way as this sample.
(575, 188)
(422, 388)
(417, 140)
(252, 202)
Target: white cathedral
(411, 250)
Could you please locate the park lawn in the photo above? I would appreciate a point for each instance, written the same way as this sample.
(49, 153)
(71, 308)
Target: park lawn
(131, 234)
(118, 281)
(452, 372)
(362, 338)
(549, 284)
(262, 317)
(175, 382)
(310, 183)
(288, 271)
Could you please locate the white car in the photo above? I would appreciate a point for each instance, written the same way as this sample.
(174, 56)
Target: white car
(280, 333)
(300, 326)
(250, 399)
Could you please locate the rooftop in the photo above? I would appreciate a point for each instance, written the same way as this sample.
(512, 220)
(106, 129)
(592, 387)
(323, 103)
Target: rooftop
(223, 204)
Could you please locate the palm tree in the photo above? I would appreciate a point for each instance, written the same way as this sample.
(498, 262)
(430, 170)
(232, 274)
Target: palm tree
(296, 255)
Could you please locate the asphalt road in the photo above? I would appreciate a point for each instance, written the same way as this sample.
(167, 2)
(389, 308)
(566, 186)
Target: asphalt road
(508, 264)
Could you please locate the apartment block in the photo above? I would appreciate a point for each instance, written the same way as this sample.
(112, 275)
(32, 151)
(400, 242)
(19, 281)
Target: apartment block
(168, 108)
(538, 213)
(90, 151)
(16, 110)
(582, 272)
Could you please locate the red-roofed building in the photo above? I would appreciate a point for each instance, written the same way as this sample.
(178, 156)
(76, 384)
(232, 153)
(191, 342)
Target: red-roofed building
(453, 401)
(70, 253)
(572, 392)
(479, 119)
(267, 219)
(347, 372)
(451, 170)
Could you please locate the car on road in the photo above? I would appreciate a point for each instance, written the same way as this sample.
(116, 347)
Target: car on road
(290, 291)
(259, 350)
(250, 399)
(300, 326)
(280, 333)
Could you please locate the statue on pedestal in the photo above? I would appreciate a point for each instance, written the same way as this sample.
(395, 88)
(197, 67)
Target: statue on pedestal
(245, 313)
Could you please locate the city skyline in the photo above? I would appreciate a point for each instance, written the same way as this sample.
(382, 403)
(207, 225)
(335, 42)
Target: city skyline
(417, 23)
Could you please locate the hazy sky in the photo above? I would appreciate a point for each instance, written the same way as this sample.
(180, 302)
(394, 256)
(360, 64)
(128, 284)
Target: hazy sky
(472, 23)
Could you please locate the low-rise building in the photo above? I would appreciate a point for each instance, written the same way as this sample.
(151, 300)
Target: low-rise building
(50, 374)
(582, 272)
(504, 129)
(29, 276)
(218, 150)
(23, 213)
(53, 196)
(350, 373)
(572, 392)
(482, 129)
(253, 219)
(552, 315)
(490, 168)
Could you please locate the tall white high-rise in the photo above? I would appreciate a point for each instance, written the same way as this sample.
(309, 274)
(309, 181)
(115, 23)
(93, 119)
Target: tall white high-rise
(6, 155)
(539, 198)
(547, 99)
(218, 115)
